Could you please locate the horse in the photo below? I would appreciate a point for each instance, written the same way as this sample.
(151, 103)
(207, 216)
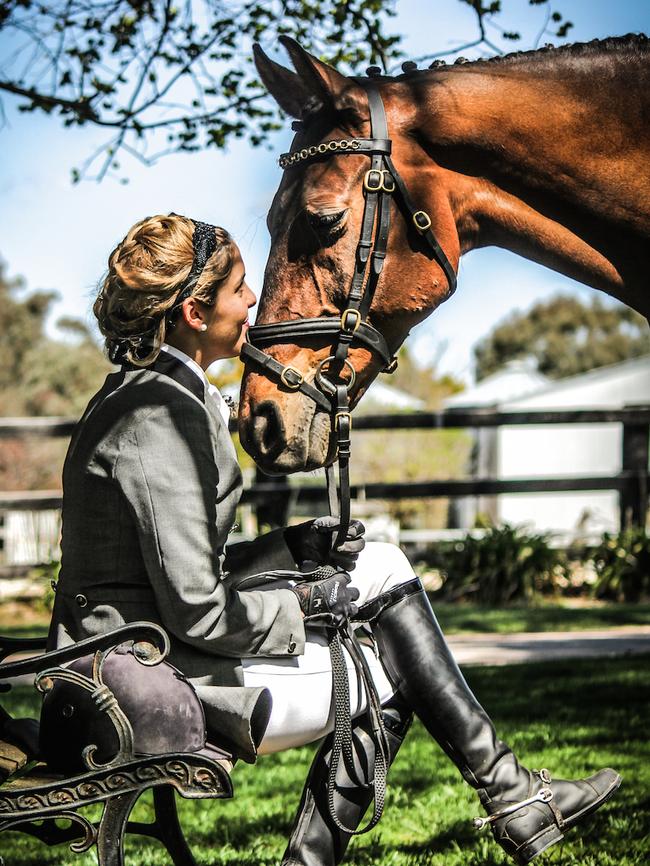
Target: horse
(542, 152)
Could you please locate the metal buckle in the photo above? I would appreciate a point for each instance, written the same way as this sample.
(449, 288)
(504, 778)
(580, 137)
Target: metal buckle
(339, 415)
(288, 383)
(373, 174)
(387, 181)
(378, 180)
(392, 366)
(421, 221)
(357, 320)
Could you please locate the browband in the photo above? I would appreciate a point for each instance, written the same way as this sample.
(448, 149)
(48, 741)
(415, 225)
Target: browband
(327, 148)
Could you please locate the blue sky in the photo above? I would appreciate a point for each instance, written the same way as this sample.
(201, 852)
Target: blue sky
(58, 236)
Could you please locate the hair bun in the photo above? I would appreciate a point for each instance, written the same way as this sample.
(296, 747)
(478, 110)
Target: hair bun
(146, 273)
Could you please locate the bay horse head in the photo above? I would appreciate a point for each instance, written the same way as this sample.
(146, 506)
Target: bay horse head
(353, 171)
(544, 153)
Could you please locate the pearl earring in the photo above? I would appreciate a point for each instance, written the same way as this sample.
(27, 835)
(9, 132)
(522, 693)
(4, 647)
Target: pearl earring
(203, 327)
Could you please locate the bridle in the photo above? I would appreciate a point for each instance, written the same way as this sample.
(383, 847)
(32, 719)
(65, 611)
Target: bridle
(330, 393)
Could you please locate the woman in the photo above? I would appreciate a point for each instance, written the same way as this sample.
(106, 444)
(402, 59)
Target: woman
(151, 484)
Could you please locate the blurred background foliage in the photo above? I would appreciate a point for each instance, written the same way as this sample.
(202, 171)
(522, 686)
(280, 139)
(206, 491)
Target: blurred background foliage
(511, 565)
(40, 376)
(622, 563)
(565, 336)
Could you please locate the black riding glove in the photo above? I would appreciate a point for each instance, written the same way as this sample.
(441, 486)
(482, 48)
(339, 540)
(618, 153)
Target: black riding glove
(312, 542)
(328, 601)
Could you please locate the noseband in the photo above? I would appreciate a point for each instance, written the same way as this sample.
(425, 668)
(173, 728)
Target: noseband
(331, 391)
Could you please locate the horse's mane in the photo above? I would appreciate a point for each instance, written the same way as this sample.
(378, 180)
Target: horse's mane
(632, 44)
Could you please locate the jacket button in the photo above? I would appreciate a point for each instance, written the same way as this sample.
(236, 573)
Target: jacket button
(81, 600)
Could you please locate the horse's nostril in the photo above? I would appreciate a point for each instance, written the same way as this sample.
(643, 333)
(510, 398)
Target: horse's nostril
(268, 430)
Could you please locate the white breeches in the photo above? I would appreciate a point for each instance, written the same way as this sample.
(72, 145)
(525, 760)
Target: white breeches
(301, 687)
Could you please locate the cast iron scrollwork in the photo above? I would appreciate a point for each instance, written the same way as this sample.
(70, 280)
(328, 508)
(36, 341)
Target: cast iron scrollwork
(78, 845)
(105, 701)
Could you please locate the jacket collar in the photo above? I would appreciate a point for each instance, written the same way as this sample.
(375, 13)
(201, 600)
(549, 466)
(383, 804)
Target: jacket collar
(168, 365)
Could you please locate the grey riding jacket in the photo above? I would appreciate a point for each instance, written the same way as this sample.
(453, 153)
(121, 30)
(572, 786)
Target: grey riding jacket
(150, 488)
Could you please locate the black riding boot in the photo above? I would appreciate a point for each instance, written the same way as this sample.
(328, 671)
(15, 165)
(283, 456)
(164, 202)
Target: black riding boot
(315, 839)
(527, 811)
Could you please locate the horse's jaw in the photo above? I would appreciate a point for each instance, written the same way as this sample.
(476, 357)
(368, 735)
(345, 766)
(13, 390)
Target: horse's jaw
(283, 433)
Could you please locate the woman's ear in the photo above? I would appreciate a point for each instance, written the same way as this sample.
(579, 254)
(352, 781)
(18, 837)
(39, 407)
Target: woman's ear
(193, 314)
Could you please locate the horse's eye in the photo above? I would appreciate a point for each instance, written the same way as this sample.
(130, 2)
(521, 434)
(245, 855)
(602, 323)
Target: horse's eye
(328, 226)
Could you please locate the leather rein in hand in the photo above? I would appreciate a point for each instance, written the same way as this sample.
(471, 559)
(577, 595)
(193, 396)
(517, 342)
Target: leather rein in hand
(330, 391)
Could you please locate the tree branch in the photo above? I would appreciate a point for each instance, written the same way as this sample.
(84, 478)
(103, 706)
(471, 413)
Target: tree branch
(83, 108)
(141, 68)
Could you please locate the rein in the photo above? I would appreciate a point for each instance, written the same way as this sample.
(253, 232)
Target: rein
(331, 392)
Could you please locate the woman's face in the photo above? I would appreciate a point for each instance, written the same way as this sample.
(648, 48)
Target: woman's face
(227, 318)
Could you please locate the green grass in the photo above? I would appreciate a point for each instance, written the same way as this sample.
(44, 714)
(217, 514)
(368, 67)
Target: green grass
(456, 618)
(35, 630)
(468, 618)
(572, 717)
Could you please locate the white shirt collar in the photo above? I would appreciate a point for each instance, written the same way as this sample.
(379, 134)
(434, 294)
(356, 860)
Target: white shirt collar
(210, 389)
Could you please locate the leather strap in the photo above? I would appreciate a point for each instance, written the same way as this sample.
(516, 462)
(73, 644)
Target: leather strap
(266, 362)
(332, 148)
(379, 183)
(294, 329)
(428, 235)
(373, 608)
(342, 741)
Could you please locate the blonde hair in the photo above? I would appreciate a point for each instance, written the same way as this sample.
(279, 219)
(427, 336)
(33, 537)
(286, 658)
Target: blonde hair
(147, 273)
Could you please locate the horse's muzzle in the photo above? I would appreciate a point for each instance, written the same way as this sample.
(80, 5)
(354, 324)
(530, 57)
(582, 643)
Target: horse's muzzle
(284, 438)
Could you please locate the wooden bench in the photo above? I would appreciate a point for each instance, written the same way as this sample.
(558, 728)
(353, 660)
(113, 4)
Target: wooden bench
(33, 797)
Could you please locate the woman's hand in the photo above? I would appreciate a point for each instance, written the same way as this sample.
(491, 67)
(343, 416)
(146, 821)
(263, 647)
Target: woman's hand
(328, 601)
(312, 542)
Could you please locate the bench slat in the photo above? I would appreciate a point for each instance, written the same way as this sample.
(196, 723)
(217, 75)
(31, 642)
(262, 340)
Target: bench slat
(12, 759)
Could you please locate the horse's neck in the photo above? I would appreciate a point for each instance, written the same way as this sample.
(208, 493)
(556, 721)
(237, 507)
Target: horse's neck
(550, 162)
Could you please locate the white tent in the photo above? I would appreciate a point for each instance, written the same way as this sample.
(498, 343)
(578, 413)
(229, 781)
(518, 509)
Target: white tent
(537, 451)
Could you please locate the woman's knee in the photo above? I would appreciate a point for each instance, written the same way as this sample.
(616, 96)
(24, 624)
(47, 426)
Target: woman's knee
(380, 567)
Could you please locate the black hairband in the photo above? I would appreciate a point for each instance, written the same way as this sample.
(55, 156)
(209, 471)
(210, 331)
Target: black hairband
(204, 243)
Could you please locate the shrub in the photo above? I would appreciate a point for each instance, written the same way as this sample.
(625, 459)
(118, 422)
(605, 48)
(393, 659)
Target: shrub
(504, 565)
(622, 562)
(46, 577)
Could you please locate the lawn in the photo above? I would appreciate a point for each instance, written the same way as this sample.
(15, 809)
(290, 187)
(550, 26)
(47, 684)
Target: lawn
(468, 618)
(570, 717)
(22, 620)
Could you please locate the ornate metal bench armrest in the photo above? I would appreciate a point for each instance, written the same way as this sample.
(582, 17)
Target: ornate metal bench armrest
(147, 632)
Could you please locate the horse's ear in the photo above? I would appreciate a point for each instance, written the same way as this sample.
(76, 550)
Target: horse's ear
(322, 80)
(287, 88)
